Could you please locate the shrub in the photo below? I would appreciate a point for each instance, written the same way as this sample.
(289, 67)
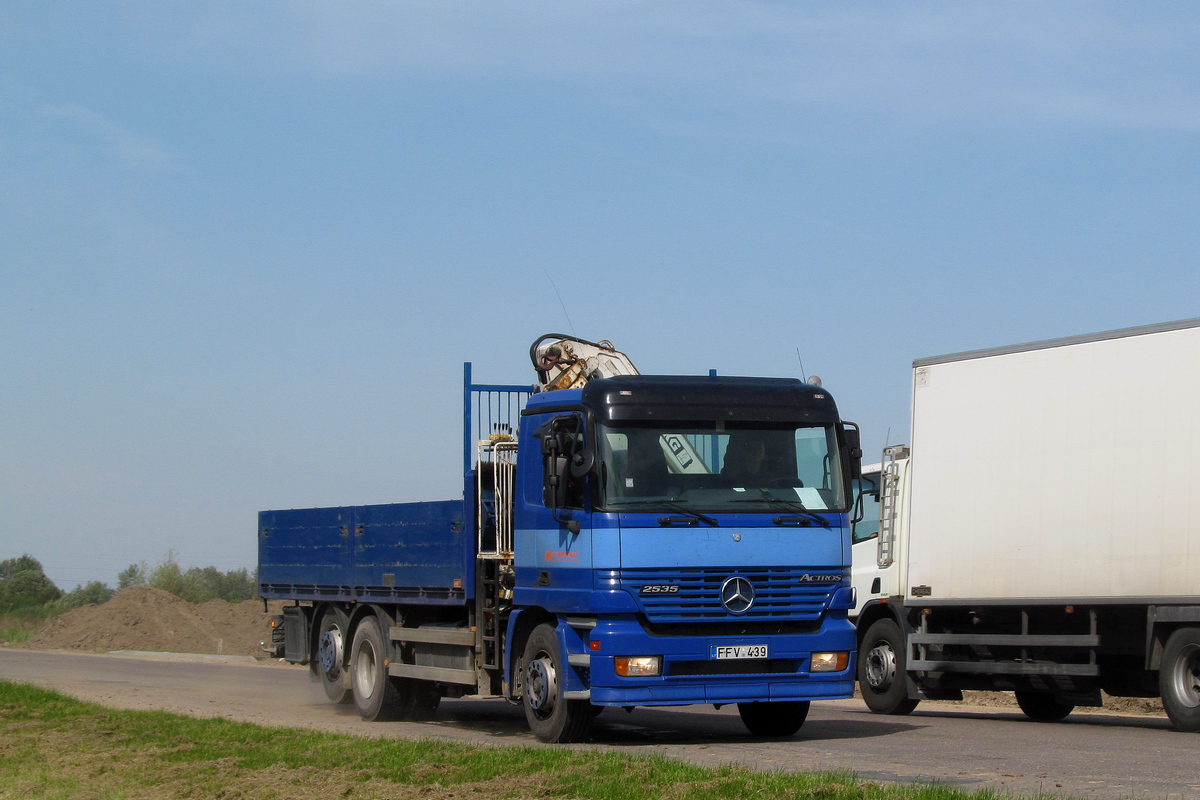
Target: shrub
(199, 585)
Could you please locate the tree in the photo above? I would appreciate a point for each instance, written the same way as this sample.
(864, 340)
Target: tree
(12, 566)
(23, 584)
(133, 575)
(95, 593)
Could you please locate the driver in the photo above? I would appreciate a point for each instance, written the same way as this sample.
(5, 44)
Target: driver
(745, 461)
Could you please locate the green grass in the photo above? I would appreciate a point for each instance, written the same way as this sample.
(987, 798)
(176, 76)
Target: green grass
(14, 633)
(17, 626)
(52, 746)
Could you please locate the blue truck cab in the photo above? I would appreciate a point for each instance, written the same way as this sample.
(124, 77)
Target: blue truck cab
(642, 540)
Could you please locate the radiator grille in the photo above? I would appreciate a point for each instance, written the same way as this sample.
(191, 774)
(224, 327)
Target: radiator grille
(780, 593)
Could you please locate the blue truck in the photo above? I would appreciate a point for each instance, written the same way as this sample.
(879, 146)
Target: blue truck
(631, 540)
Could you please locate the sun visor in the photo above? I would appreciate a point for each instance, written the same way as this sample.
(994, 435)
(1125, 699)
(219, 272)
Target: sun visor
(677, 398)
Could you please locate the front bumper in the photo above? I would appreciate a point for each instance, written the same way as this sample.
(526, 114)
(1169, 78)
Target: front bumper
(690, 675)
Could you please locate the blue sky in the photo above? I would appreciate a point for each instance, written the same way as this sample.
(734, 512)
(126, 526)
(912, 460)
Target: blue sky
(246, 248)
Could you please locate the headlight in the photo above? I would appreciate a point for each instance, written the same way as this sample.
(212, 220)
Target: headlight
(638, 666)
(829, 662)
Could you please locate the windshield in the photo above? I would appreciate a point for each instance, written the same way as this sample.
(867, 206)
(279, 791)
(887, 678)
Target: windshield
(867, 488)
(719, 467)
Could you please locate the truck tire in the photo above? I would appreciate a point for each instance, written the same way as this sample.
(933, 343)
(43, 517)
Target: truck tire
(881, 673)
(331, 655)
(774, 719)
(550, 717)
(376, 696)
(1043, 706)
(1179, 679)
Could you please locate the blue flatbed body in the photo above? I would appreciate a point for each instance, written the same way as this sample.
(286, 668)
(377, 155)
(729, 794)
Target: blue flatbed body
(395, 552)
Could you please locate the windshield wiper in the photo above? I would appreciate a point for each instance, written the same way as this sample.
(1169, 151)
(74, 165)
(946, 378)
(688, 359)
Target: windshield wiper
(695, 515)
(789, 504)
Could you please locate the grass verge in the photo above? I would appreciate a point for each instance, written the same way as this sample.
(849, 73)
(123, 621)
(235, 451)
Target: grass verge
(18, 626)
(52, 746)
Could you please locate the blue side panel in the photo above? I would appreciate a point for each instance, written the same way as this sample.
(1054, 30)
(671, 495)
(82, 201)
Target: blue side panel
(606, 541)
(645, 543)
(395, 553)
(410, 552)
(468, 546)
(305, 552)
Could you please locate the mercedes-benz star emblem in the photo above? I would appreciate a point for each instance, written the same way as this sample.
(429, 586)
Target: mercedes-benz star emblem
(737, 595)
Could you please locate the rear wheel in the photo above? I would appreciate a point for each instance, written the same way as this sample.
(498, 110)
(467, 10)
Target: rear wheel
(1043, 706)
(1179, 679)
(774, 719)
(551, 717)
(331, 655)
(881, 670)
(376, 696)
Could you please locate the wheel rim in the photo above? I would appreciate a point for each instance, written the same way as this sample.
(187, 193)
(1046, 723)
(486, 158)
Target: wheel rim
(1185, 676)
(364, 670)
(330, 651)
(881, 667)
(541, 685)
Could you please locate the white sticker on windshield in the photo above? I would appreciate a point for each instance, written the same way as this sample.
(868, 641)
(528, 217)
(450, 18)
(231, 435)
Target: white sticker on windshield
(811, 498)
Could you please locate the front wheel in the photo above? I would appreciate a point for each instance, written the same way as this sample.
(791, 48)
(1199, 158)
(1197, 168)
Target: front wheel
(551, 717)
(774, 719)
(881, 665)
(331, 655)
(1043, 707)
(376, 696)
(1179, 679)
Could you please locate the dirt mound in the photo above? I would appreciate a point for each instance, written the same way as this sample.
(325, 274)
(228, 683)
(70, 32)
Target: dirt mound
(141, 618)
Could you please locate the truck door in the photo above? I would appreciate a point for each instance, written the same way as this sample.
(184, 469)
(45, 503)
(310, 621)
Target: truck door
(553, 518)
(865, 541)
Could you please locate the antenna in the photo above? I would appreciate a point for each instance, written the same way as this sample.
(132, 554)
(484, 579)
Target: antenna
(803, 377)
(561, 303)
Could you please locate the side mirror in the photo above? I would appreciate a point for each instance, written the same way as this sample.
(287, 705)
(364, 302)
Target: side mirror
(565, 461)
(555, 488)
(853, 448)
(583, 462)
(545, 434)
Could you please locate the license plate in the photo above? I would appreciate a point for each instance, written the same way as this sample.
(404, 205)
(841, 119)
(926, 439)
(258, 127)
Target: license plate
(720, 651)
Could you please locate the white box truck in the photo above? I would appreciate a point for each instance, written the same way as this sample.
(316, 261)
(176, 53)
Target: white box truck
(1042, 533)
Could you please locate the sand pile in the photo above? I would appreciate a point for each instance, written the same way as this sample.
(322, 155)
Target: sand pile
(141, 618)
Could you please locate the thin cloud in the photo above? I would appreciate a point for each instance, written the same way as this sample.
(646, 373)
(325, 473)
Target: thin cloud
(915, 65)
(130, 149)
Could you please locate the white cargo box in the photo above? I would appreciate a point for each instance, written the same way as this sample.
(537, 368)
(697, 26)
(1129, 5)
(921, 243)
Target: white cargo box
(1062, 469)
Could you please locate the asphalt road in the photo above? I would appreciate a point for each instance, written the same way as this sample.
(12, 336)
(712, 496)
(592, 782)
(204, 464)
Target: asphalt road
(1088, 755)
